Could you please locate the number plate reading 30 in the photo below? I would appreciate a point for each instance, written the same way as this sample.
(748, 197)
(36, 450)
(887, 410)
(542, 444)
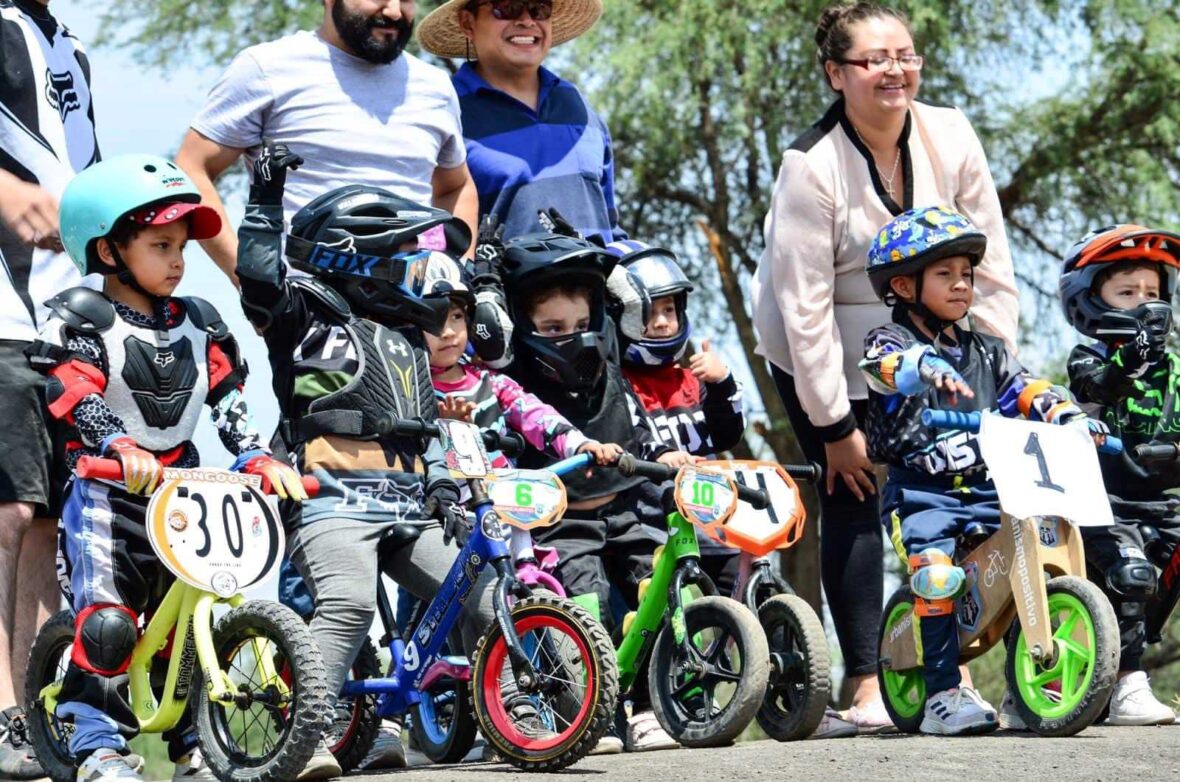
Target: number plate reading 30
(220, 535)
(704, 498)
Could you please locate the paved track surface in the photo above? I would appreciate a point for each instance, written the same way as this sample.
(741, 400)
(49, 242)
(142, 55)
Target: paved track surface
(1135, 754)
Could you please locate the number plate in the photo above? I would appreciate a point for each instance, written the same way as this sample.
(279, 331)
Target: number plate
(704, 497)
(527, 499)
(778, 525)
(1045, 470)
(215, 529)
(463, 443)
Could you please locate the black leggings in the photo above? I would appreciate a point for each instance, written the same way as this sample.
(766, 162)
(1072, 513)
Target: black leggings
(851, 565)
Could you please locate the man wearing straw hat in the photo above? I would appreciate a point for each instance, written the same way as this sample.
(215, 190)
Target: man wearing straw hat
(533, 142)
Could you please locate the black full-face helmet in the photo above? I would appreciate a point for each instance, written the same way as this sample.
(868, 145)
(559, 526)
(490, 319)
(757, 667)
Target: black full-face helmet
(535, 262)
(353, 238)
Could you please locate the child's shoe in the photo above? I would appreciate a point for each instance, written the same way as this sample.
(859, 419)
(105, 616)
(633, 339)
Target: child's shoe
(105, 763)
(192, 768)
(322, 765)
(645, 734)
(1133, 703)
(388, 751)
(958, 711)
(1010, 718)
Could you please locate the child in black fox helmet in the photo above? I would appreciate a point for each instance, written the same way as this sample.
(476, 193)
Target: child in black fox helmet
(1116, 287)
(565, 348)
(346, 348)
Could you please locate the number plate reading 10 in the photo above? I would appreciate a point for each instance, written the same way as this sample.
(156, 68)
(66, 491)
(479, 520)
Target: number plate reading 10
(221, 536)
(705, 498)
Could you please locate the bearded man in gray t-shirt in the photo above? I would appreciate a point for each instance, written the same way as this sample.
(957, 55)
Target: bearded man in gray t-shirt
(347, 99)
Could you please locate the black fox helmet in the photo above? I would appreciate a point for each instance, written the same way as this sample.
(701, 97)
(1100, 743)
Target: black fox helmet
(351, 238)
(540, 261)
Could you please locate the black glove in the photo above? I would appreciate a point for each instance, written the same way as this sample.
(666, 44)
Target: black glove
(269, 176)
(554, 223)
(443, 504)
(489, 250)
(1141, 353)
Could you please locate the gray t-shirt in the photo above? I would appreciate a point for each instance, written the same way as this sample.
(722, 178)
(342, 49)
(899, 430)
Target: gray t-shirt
(351, 120)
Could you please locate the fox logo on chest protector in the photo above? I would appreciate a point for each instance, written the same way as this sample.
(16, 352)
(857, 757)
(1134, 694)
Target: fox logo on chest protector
(61, 93)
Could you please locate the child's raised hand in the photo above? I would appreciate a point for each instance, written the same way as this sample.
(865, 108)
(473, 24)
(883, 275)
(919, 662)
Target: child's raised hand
(707, 366)
(603, 453)
(269, 175)
(679, 459)
(456, 407)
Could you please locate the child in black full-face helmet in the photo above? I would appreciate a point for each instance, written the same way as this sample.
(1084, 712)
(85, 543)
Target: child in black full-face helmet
(1116, 287)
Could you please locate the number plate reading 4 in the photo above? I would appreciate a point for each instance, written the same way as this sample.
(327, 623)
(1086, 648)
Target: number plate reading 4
(705, 498)
(466, 456)
(1045, 470)
(215, 530)
(527, 499)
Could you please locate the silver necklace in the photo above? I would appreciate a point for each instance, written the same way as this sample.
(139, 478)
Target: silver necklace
(886, 180)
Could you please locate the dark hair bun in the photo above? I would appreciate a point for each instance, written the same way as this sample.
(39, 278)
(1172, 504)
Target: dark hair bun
(828, 19)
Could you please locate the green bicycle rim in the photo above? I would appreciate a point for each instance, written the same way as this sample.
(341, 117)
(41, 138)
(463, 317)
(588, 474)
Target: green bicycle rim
(1073, 668)
(906, 690)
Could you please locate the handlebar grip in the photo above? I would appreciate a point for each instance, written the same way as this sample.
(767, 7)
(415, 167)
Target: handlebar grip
(511, 444)
(951, 419)
(629, 466)
(406, 427)
(1156, 452)
(98, 468)
(310, 485)
(575, 462)
(756, 497)
(1112, 445)
(811, 473)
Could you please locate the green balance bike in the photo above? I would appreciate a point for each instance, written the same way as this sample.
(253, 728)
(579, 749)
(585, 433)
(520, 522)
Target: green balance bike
(707, 659)
(255, 683)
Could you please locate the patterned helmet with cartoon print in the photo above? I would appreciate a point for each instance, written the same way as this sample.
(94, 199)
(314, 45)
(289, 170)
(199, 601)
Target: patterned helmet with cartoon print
(1093, 254)
(917, 238)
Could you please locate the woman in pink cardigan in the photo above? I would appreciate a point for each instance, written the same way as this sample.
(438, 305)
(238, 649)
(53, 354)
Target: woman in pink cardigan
(876, 152)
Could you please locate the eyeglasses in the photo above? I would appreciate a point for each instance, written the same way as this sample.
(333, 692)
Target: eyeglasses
(511, 10)
(881, 64)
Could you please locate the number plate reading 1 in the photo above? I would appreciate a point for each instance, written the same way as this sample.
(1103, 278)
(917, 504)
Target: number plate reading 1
(219, 534)
(760, 531)
(466, 456)
(528, 499)
(703, 497)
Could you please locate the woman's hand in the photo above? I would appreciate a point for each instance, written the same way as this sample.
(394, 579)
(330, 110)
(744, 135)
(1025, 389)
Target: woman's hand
(849, 458)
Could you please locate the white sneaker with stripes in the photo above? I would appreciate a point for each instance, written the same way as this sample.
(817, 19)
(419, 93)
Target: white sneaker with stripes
(958, 711)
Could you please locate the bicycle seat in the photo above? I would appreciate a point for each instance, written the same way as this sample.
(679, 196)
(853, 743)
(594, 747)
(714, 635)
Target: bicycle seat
(398, 536)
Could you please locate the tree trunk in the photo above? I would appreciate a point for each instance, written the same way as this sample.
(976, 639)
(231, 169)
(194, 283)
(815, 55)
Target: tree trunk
(801, 561)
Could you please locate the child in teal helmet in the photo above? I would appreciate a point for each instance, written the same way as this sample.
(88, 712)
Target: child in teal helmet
(129, 369)
(922, 263)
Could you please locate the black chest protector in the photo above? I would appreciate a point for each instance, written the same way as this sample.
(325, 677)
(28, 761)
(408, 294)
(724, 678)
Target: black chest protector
(161, 378)
(392, 377)
(608, 421)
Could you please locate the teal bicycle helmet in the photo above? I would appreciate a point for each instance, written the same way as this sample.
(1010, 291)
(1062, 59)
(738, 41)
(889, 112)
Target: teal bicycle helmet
(148, 189)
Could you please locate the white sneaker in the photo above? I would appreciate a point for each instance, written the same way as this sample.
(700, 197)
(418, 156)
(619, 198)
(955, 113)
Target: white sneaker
(322, 765)
(958, 711)
(833, 726)
(106, 763)
(609, 744)
(1010, 718)
(645, 734)
(193, 768)
(387, 751)
(1133, 703)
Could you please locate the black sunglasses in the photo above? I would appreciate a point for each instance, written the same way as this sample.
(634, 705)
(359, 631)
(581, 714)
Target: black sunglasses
(510, 10)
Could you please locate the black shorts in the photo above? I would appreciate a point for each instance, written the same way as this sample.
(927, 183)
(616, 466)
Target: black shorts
(31, 443)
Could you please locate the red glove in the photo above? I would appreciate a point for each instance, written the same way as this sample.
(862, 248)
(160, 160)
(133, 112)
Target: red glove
(276, 475)
(141, 470)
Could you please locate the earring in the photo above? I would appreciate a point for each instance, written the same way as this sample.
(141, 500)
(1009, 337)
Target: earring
(467, 53)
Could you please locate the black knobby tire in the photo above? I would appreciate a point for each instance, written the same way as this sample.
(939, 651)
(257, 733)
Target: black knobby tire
(725, 635)
(285, 733)
(448, 706)
(800, 682)
(350, 736)
(48, 659)
(1082, 617)
(569, 637)
(903, 692)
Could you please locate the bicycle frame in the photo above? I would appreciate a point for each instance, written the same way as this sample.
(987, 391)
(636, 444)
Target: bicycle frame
(676, 567)
(754, 575)
(186, 607)
(1004, 581)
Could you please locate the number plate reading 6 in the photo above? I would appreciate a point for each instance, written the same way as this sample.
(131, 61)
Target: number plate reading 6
(221, 536)
(528, 499)
(704, 498)
(465, 454)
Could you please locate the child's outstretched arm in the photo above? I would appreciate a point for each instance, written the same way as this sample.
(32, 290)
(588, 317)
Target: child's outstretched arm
(540, 424)
(896, 363)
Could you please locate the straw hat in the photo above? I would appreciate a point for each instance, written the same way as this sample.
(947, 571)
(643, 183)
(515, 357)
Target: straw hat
(440, 34)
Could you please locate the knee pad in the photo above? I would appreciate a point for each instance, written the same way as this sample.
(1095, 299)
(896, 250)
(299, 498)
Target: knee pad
(1131, 579)
(104, 638)
(936, 582)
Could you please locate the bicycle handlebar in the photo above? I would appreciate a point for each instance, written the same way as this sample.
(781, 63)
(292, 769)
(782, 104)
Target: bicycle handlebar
(969, 422)
(628, 465)
(98, 468)
(1157, 452)
(511, 444)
